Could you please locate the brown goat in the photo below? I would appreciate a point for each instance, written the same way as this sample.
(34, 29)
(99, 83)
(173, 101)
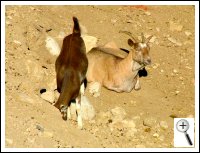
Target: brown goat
(71, 67)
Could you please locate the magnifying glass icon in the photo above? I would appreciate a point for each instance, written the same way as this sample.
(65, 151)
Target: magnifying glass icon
(182, 126)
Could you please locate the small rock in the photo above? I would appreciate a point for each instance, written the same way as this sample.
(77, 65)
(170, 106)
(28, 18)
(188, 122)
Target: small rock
(17, 42)
(148, 129)
(175, 26)
(40, 128)
(181, 78)
(175, 71)
(32, 8)
(177, 92)
(187, 33)
(188, 67)
(130, 21)
(164, 125)
(113, 21)
(148, 13)
(104, 117)
(150, 121)
(48, 96)
(118, 113)
(128, 123)
(161, 70)
(52, 46)
(155, 135)
(174, 41)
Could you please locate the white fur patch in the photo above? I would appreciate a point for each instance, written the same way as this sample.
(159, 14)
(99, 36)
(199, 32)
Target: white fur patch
(52, 46)
(143, 45)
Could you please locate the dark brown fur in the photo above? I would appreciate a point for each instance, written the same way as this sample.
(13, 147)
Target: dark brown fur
(71, 67)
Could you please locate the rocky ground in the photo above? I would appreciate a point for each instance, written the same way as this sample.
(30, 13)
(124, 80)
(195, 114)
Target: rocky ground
(138, 119)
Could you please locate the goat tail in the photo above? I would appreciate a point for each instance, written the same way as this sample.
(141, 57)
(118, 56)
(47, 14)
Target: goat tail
(76, 29)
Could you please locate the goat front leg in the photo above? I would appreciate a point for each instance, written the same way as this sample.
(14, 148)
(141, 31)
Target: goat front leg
(137, 85)
(78, 110)
(94, 89)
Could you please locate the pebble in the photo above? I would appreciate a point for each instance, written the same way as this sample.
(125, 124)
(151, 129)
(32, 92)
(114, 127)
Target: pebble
(52, 46)
(128, 123)
(175, 71)
(164, 125)
(177, 92)
(17, 42)
(155, 135)
(113, 21)
(40, 128)
(118, 113)
(161, 70)
(174, 41)
(187, 33)
(150, 121)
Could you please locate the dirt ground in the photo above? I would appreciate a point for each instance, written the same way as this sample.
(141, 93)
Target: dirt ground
(147, 115)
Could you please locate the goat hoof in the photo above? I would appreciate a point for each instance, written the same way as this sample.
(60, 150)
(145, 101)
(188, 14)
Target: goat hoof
(64, 117)
(138, 88)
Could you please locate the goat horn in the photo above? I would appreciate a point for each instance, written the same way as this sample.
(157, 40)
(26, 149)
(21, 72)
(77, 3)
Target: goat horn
(143, 38)
(129, 34)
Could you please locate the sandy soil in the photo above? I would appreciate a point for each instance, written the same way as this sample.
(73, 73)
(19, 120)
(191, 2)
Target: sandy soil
(146, 115)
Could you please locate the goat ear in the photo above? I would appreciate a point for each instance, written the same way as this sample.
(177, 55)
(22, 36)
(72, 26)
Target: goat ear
(148, 39)
(131, 42)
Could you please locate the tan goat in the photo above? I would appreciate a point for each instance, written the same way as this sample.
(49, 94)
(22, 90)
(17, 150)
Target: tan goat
(114, 71)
